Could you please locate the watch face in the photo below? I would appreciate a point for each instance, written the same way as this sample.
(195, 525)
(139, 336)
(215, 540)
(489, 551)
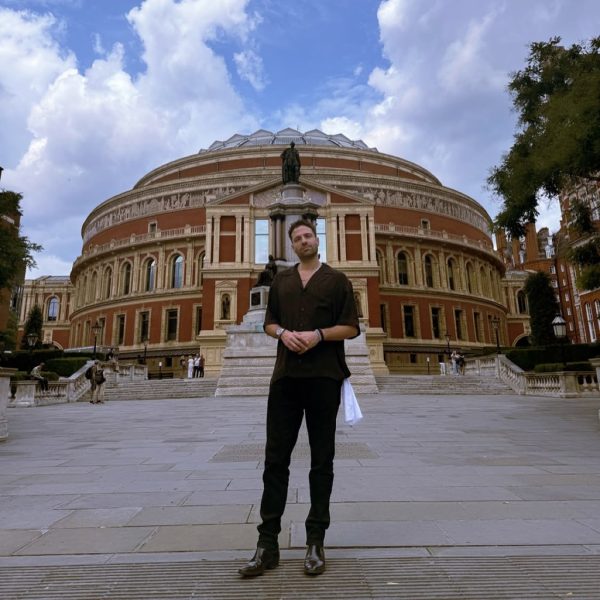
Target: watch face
(279, 332)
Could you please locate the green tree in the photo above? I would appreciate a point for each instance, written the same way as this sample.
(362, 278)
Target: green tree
(543, 307)
(557, 99)
(33, 325)
(586, 253)
(16, 251)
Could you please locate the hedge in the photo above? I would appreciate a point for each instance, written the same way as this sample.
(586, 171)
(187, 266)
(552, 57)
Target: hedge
(65, 367)
(528, 358)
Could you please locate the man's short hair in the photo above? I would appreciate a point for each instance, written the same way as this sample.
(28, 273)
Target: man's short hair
(299, 223)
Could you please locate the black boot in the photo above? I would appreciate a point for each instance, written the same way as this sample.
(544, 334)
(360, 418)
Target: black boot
(262, 560)
(314, 562)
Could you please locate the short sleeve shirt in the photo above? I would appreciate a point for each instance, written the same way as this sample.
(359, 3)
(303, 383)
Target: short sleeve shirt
(327, 300)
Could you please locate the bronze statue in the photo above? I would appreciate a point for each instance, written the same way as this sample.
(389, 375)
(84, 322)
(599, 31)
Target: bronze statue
(290, 168)
(266, 277)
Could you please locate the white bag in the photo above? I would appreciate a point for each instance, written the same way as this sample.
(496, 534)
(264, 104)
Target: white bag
(352, 412)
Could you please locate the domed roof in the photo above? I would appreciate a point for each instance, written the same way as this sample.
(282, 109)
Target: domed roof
(262, 137)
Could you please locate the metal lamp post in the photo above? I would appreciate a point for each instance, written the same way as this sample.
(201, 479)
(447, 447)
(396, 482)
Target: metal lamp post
(496, 326)
(447, 336)
(145, 340)
(559, 325)
(96, 329)
(32, 339)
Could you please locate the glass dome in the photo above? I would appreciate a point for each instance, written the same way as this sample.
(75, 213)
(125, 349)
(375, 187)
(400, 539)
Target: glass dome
(262, 137)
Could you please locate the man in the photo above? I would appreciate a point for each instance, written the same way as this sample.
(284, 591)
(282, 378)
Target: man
(311, 311)
(36, 373)
(97, 383)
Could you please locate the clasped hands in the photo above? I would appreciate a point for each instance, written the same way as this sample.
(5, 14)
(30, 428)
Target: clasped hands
(300, 341)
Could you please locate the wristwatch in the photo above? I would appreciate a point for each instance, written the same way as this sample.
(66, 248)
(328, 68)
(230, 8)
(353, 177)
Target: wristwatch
(279, 332)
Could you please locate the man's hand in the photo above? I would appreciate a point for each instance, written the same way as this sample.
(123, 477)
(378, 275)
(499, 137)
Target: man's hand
(300, 341)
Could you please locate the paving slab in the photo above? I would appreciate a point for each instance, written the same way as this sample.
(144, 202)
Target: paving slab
(175, 480)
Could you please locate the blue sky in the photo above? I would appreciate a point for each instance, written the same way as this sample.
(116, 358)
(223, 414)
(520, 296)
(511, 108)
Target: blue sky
(93, 94)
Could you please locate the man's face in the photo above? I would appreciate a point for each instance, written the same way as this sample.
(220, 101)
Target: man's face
(304, 242)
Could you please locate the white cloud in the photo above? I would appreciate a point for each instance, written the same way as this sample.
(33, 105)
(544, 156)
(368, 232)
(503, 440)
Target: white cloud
(30, 60)
(250, 68)
(464, 67)
(394, 14)
(101, 129)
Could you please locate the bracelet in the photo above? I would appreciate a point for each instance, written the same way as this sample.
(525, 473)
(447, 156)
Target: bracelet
(320, 332)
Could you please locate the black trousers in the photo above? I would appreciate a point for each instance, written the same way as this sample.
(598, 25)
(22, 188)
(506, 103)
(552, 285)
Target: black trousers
(290, 400)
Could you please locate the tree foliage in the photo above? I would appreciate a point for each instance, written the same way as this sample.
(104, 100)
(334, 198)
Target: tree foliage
(543, 307)
(557, 99)
(16, 251)
(586, 254)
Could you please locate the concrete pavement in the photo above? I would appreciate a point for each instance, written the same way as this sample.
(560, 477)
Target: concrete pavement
(427, 478)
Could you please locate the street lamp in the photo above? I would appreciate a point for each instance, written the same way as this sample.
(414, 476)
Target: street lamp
(496, 326)
(448, 343)
(32, 339)
(96, 329)
(559, 325)
(145, 340)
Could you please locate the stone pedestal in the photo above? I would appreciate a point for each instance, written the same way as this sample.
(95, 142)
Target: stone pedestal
(4, 398)
(25, 395)
(249, 358)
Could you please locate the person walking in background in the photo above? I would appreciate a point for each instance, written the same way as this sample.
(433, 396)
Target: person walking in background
(36, 373)
(310, 311)
(201, 366)
(454, 361)
(97, 380)
(190, 368)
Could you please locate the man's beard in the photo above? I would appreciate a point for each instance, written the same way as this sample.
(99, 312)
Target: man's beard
(309, 252)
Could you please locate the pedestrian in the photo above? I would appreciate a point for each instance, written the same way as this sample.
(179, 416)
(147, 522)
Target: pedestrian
(196, 365)
(454, 361)
(310, 311)
(460, 363)
(97, 380)
(36, 373)
(201, 366)
(190, 369)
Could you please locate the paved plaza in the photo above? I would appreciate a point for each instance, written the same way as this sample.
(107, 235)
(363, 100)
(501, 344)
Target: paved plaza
(434, 497)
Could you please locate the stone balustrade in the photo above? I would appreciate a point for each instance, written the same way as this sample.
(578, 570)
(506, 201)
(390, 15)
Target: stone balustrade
(561, 384)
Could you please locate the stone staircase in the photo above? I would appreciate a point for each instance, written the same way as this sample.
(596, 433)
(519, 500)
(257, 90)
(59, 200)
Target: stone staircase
(441, 384)
(161, 389)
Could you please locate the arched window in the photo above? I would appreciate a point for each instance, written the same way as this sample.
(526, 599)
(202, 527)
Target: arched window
(107, 283)
(470, 279)
(485, 282)
(93, 287)
(201, 258)
(150, 275)
(177, 271)
(402, 268)
(590, 322)
(451, 274)
(521, 302)
(381, 264)
(428, 271)
(52, 314)
(126, 279)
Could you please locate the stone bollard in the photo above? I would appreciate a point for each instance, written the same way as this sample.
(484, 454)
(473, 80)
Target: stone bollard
(25, 395)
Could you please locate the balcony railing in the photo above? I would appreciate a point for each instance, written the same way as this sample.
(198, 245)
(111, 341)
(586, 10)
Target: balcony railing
(136, 239)
(421, 232)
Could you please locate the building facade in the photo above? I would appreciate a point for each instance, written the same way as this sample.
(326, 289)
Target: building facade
(168, 265)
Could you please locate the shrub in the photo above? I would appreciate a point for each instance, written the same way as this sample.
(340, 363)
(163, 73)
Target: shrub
(66, 366)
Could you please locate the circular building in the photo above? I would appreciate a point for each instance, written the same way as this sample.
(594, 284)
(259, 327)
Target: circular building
(168, 265)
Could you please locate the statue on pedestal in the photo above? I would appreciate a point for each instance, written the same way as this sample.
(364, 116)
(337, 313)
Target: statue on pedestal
(290, 167)
(266, 277)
